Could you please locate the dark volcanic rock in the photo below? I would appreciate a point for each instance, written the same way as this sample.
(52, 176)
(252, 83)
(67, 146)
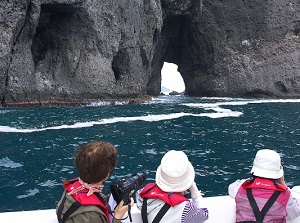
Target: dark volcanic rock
(237, 48)
(84, 49)
(76, 49)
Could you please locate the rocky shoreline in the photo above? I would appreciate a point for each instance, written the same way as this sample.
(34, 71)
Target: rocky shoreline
(92, 102)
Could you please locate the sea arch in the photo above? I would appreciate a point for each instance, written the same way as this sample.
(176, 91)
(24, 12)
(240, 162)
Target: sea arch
(182, 43)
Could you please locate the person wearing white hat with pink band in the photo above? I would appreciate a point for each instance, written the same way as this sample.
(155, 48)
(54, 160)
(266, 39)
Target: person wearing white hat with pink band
(164, 200)
(264, 197)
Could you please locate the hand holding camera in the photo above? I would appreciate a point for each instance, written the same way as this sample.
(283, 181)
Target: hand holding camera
(121, 209)
(121, 192)
(122, 189)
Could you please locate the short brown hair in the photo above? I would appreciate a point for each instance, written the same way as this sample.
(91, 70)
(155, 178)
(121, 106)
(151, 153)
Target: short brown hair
(95, 161)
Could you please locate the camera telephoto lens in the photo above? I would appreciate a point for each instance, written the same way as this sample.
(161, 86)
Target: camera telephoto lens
(121, 189)
(137, 180)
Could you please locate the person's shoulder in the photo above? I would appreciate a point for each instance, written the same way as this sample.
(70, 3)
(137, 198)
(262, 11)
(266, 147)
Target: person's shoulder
(237, 183)
(234, 187)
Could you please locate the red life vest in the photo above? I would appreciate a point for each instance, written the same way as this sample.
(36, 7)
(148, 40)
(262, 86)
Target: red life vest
(152, 191)
(263, 183)
(258, 191)
(83, 199)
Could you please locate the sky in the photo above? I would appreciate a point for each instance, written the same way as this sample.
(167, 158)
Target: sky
(171, 78)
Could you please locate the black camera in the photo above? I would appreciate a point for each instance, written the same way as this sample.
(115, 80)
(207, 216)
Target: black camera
(121, 189)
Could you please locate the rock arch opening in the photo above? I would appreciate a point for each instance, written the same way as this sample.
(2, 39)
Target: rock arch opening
(171, 80)
(168, 51)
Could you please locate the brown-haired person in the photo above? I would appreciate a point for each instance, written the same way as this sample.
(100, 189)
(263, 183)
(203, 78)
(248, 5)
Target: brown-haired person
(82, 200)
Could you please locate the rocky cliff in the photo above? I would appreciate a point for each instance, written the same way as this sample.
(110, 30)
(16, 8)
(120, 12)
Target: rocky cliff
(92, 49)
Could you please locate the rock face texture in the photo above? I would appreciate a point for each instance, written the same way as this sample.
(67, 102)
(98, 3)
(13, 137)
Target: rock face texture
(88, 49)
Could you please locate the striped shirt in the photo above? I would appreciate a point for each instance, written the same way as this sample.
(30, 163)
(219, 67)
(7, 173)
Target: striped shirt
(189, 211)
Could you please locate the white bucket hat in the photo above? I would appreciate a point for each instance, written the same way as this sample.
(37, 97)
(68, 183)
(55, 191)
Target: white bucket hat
(267, 164)
(175, 173)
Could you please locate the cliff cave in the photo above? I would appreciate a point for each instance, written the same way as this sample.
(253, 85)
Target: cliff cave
(83, 49)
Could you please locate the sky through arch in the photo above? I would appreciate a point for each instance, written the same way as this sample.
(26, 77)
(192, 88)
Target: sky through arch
(171, 79)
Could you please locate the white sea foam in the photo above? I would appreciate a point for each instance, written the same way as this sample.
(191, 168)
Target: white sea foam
(103, 103)
(30, 193)
(219, 112)
(6, 162)
(148, 118)
(222, 112)
(216, 105)
(243, 101)
(49, 183)
(292, 167)
(4, 111)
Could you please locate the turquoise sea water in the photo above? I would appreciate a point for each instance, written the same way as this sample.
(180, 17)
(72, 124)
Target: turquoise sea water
(219, 135)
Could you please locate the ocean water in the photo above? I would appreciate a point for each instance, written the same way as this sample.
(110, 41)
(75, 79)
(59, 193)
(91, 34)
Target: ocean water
(219, 135)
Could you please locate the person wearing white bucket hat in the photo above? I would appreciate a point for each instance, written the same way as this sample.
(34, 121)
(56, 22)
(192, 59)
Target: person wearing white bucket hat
(165, 200)
(264, 197)
(267, 164)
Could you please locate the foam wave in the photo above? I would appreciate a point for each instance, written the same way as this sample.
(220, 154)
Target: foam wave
(49, 183)
(255, 101)
(242, 102)
(4, 111)
(29, 193)
(148, 118)
(263, 101)
(103, 103)
(6, 162)
(227, 101)
(219, 112)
